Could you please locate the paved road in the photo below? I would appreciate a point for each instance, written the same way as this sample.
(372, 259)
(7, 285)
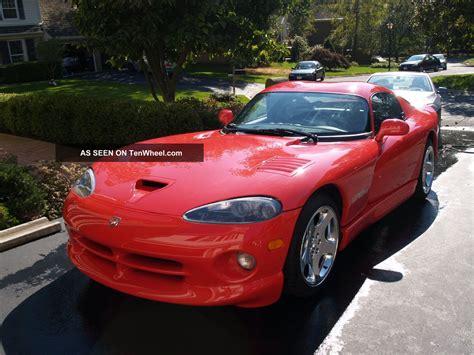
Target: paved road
(49, 307)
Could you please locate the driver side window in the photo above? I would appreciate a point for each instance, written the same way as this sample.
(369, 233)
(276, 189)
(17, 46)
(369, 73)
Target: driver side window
(385, 106)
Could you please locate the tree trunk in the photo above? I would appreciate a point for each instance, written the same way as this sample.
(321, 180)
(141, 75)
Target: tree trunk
(167, 84)
(144, 68)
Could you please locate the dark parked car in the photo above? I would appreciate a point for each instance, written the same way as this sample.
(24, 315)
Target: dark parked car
(443, 61)
(308, 70)
(420, 62)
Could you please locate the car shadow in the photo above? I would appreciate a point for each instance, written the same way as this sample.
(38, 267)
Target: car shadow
(75, 315)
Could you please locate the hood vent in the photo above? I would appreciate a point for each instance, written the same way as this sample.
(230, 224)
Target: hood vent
(149, 185)
(286, 166)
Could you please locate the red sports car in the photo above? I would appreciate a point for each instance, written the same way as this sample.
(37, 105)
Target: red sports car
(283, 187)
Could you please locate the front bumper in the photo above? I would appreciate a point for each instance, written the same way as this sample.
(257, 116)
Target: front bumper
(166, 258)
(302, 77)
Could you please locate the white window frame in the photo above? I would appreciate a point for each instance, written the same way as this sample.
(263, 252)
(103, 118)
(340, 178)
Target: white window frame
(10, 8)
(23, 46)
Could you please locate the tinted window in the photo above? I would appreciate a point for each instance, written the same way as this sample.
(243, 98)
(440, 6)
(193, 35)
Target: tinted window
(415, 57)
(321, 113)
(306, 66)
(385, 106)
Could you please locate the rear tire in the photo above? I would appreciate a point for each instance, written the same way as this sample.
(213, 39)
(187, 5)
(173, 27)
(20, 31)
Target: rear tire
(313, 247)
(426, 176)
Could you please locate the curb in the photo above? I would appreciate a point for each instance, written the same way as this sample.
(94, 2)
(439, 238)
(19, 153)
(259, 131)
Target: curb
(27, 232)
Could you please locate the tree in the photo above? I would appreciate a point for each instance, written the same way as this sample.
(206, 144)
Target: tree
(359, 28)
(300, 17)
(447, 24)
(167, 31)
(50, 53)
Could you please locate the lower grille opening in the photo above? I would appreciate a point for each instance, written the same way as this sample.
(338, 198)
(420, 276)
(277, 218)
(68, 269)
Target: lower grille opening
(96, 247)
(152, 262)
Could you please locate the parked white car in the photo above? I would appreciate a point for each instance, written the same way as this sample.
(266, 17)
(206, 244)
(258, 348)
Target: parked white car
(416, 88)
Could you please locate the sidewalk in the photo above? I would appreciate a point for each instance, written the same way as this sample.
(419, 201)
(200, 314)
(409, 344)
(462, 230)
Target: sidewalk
(428, 311)
(28, 151)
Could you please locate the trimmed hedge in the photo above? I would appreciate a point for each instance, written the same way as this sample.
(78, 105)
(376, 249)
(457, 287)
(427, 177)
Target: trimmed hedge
(26, 72)
(74, 120)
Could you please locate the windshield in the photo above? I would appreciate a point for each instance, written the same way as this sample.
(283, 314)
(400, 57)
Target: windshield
(306, 66)
(403, 82)
(415, 57)
(439, 56)
(323, 114)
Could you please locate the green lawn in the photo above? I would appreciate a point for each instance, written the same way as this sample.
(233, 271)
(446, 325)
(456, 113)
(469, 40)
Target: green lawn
(97, 89)
(261, 74)
(456, 82)
(469, 62)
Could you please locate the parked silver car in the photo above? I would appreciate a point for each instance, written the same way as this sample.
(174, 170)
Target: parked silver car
(416, 88)
(442, 60)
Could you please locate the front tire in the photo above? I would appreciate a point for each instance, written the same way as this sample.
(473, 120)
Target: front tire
(314, 246)
(426, 177)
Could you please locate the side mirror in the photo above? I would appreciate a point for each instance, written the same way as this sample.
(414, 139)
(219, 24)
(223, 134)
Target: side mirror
(442, 90)
(392, 127)
(225, 116)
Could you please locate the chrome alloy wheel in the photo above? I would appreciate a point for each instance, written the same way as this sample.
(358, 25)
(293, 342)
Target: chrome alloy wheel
(319, 246)
(428, 169)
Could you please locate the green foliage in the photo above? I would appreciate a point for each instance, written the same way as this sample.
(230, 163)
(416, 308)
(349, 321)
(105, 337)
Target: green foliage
(55, 179)
(299, 48)
(6, 219)
(300, 17)
(50, 54)
(329, 59)
(65, 119)
(447, 24)
(456, 82)
(26, 72)
(21, 198)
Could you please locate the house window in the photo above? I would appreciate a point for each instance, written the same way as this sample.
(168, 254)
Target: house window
(17, 51)
(10, 9)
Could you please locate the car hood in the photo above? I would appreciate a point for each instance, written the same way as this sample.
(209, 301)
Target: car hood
(413, 62)
(303, 71)
(234, 165)
(418, 98)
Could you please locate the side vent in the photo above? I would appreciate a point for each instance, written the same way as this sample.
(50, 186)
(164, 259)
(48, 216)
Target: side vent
(285, 166)
(149, 185)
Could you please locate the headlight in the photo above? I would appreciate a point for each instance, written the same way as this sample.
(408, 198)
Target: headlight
(85, 185)
(238, 210)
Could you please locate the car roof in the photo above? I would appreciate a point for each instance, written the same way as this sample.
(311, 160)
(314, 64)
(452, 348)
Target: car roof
(308, 61)
(399, 73)
(347, 87)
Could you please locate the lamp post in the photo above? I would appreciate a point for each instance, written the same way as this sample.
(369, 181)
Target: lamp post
(390, 28)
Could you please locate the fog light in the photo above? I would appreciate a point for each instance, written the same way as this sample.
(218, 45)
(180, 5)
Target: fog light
(246, 261)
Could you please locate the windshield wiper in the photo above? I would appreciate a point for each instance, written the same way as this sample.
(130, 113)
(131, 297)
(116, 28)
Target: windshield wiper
(273, 131)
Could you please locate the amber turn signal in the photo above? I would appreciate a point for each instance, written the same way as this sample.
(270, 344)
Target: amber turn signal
(275, 244)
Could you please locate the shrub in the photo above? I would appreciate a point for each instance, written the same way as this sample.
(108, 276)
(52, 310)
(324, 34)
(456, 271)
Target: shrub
(26, 72)
(329, 59)
(299, 48)
(55, 179)
(6, 219)
(21, 197)
(74, 120)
